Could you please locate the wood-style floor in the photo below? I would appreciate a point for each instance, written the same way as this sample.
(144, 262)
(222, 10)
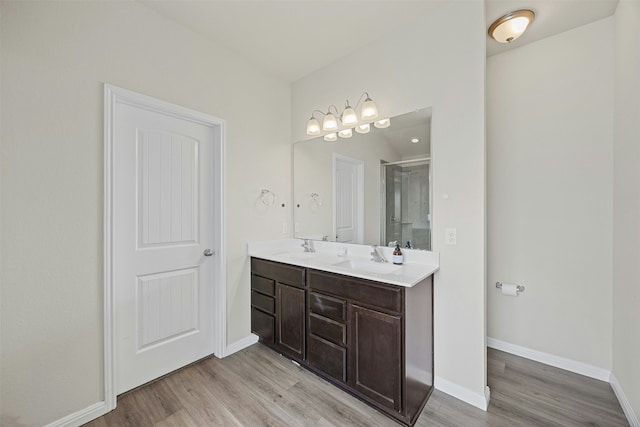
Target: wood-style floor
(257, 387)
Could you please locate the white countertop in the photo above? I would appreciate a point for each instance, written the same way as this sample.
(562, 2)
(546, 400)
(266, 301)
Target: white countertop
(417, 266)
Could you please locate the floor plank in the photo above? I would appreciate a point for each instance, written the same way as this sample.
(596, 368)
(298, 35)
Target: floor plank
(258, 387)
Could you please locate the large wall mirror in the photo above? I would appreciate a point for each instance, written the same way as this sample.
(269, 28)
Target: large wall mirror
(372, 188)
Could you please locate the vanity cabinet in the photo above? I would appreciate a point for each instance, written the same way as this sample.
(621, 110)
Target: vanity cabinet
(373, 325)
(372, 339)
(278, 306)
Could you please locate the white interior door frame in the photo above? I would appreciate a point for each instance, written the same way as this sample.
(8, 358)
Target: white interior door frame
(112, 96)
(360, 189)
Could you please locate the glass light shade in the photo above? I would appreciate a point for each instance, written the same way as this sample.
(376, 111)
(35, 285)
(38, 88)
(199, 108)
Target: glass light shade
(345, 133)
(511, 26)
(369, 110)
(349, 117)
(365, 128)
(382, 123)
(330, 137)
(329, 123)
(313, 126)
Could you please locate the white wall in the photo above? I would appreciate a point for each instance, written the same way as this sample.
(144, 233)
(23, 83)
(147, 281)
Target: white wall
(626, 207)
(420, 68)
(55, 57)
(549, 194)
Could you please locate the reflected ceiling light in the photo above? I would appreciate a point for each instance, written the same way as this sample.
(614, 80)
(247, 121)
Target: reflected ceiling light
(382, 123)
(365, 128)
(330, 137)
(509, 27)
(349, 119)
(345, 133)
(415, 140)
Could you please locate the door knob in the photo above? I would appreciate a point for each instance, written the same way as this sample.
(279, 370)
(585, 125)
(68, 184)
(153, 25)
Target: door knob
(208, 252)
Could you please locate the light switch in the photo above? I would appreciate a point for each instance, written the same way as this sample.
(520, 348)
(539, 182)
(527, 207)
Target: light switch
(450, 236)
(285, 227)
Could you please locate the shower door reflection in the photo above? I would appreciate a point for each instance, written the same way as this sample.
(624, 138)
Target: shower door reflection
(406, 205)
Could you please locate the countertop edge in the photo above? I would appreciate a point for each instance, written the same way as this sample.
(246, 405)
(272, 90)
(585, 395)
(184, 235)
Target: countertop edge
(408, 276)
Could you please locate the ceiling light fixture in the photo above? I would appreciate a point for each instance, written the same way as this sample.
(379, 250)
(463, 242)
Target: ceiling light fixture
(348, 120)
(415, 140)
(509, 27)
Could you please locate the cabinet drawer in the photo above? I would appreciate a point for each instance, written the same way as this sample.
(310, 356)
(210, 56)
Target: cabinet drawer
(327, 306)
(262, 325)
(263, 302)
(328, 329)
(367, 292)
(260, 284)
(329, 358)
(282, 273)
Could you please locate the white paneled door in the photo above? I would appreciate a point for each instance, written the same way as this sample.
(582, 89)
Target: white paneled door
(349, 199)
(163, 235)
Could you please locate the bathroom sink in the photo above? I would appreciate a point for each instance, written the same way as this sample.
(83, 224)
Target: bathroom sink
(368, 266)
(300, 255)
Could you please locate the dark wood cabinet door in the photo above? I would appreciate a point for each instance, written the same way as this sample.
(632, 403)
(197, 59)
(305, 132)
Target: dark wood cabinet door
(290, 320)
(375, 356)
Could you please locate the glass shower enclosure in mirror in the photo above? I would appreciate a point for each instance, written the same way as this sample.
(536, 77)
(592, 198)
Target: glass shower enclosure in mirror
(372, 188)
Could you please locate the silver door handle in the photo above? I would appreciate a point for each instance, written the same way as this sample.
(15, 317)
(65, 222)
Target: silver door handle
(208, 252)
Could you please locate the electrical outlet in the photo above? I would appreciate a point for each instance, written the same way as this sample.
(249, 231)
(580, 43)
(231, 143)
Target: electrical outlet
(450, 236)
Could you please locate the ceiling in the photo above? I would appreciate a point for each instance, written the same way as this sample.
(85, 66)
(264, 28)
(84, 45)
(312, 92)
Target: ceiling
(291, 39)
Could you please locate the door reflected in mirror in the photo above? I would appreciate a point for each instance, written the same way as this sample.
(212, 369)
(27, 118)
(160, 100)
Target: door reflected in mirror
(372, 188)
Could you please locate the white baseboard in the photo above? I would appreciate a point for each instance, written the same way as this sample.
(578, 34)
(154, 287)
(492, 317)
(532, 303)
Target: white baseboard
(452, 389)
(245, 342)
(550, 359)
(624, 402)
(82, 416)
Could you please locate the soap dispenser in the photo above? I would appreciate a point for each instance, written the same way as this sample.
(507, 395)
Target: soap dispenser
(397, 255)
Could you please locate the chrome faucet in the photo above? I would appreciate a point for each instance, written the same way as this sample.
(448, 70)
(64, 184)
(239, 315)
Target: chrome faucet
(308, 245)
(376, 256)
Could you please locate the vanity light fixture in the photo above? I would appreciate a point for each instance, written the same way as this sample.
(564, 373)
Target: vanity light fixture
(313, 127)
(349, 116)
(329, 123)
(345, 133)
(509, 27)
(331, 137)
(365, 128)
(348, 120)
(382, 123)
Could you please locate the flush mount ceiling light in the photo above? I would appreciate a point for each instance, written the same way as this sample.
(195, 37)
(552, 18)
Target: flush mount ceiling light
(509, 27)
(348, 120)
(415, 140)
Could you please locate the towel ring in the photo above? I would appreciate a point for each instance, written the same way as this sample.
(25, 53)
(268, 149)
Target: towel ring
(316, 199)
(268, 197)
